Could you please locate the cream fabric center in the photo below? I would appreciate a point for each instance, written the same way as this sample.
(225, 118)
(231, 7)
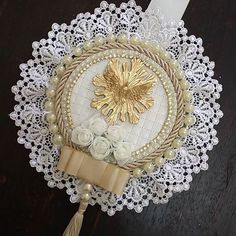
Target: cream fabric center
(151, 121)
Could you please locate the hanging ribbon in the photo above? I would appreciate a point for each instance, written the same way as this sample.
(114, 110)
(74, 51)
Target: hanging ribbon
(171, 9)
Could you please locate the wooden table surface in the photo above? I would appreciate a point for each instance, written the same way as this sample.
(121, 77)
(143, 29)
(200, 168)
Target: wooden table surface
(29, 207)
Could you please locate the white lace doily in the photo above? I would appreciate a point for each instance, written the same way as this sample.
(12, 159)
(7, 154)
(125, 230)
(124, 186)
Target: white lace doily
(176, 174)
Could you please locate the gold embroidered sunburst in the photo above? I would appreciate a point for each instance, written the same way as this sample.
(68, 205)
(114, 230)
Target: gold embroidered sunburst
(123, 91)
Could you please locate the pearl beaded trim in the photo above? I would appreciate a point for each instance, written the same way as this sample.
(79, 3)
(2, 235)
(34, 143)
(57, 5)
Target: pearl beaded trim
(187, 96)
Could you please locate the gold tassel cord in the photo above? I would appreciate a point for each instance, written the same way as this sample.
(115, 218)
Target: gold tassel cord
(74, 227)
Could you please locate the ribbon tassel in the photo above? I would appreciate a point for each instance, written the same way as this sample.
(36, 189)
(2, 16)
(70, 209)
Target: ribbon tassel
(75, 225)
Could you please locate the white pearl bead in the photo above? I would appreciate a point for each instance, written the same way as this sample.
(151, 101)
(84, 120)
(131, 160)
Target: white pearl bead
(135, 40)
(60, 70)
(174, 63)
(183, 132)
(53, 128)
(165, 55)
(122, 38)
(180, 74)
(189, 120)
(50, 92)
(85, 197)
(187, 95)
(51, 118)
(152, 46)
(87, 187)
(99, 40)
(48, 105)
(87, 45)
(148, 167)
(77, 51)
(169, 154)
(67, 59)
(159, 161)
(57, 139)
(184, 84)
(177, 143)
(188, 107)
(111, 38)
(157, 48)
(137, 172)
(146, 44)
(161, 51)
(54, 80)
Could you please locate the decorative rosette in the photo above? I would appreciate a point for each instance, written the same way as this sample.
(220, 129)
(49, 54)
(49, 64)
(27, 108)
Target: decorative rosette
(103, 142)
(119, 96)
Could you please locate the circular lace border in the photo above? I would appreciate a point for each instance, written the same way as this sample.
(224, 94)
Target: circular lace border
(175, 175)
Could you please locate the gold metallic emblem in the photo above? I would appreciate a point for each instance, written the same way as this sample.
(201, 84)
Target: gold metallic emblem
(123, 91)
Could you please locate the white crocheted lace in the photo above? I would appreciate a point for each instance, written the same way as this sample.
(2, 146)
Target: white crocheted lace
(175, 175)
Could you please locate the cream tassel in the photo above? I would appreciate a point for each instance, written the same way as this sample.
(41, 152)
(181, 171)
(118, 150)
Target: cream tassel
(74, 227)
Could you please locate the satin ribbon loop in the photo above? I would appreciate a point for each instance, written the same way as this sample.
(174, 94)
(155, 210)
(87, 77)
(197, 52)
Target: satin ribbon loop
(80, 164)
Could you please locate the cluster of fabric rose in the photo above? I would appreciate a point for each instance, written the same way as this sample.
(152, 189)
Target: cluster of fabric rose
(103, 142)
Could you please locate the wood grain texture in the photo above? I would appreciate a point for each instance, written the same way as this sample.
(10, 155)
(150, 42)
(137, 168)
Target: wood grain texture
(29, 207)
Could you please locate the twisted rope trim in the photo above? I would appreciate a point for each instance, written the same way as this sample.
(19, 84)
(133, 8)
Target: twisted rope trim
(180, 104)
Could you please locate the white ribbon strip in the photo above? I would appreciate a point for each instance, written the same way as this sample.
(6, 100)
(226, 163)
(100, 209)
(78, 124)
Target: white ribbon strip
(171, 9)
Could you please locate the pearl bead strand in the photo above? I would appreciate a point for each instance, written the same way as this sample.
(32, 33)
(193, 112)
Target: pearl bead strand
(85, 195)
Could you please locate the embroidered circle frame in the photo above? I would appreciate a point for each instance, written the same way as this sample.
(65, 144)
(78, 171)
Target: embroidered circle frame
(174, 57)
(160, 146)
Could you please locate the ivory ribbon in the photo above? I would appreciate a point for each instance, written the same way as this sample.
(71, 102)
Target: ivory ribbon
(172, 9)
(82, 165)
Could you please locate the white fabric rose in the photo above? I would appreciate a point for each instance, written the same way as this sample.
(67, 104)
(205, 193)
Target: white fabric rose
(100, 148)
(82, 136)
(122, 153)
(98, 126)
(115, 133)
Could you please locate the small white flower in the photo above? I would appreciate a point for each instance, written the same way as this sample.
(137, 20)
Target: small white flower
(98, 126)
(115, 133)
(82, 136)
(100, 148)
(122, 153)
